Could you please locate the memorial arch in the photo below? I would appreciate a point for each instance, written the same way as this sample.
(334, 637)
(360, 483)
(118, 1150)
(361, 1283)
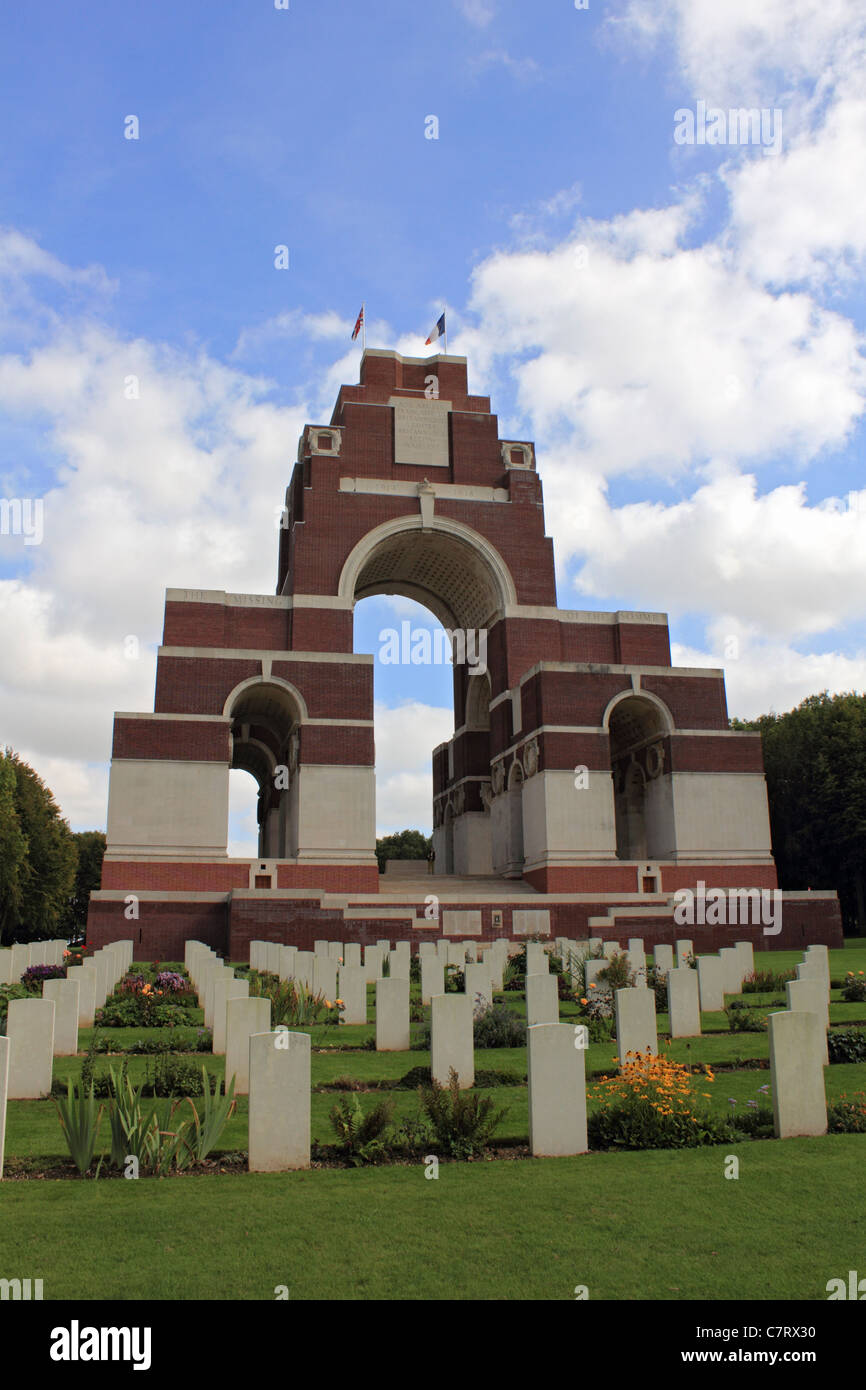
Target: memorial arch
(583, 768)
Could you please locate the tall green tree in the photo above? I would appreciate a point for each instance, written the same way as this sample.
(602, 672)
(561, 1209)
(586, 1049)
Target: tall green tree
(13, 851)
(403, 844)
(91, 848)
(47, 877)
(815, 761)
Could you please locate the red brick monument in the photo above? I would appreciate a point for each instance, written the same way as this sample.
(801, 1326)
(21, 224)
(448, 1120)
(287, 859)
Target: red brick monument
(587, 780)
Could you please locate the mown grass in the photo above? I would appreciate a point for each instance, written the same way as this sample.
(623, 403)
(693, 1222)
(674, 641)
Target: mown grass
(629, 1226)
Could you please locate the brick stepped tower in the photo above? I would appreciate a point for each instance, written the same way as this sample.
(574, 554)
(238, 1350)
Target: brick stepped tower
(583, 766)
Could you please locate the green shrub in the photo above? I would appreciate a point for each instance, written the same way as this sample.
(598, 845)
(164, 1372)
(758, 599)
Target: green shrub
(361, 1137)
(499, 1026)
(766, 981)
(854, 988)
(846, 1116)
(8, 992)
(848, 1045)
(79, 1118)
(462, 1122)
(657, 981)
(137, 1011)
(742, 1019)
(654, 1103)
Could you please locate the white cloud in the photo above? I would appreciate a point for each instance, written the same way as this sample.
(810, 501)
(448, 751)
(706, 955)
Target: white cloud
(771, 675)
(477, 12)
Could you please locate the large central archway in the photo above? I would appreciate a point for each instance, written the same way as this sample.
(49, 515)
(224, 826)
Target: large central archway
(462, 580)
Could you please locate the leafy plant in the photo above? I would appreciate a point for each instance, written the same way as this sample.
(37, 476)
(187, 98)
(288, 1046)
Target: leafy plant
(79, 1119)
(742, 1019)
(35, 976)
(766, 981)
(217, 1111)
(847, 1045)
(360, 1135)
(651, 1104)
(8, 992)
(854, 988)
(499, 1026)
(846, 1116)
(461, 1120)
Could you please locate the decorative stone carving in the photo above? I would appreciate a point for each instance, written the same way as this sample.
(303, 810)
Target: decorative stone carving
(498, 778)
(458, 801)
(530, 757)
(655, 760)
(486, 795)
(516, 454)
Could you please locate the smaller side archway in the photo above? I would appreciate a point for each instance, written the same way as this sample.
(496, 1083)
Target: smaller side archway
(638, 728)
(266, 717)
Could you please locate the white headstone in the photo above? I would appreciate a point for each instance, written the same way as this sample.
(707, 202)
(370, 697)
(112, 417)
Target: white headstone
(432, 977)
(710, 983)
(225, 989)
(352, 987)
(810, 996)
(635, 1022)
(279, 1104)
(325, 977)
(64, 994)
(477, 987)
(542, 999)
(452, 1043)
(392, 1014)
(557, 1090)
(684, 1009)
(797, 1074)
(663, 957)
(243, 1018)
(30, 1030)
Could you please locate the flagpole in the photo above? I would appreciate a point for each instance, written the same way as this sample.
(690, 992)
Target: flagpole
(445, 335)
(364, 325)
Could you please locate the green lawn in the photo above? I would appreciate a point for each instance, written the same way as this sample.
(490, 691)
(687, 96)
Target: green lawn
(628, 1226)
(652, 1225)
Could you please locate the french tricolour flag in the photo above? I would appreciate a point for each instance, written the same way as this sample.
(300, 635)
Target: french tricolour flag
(438, 331)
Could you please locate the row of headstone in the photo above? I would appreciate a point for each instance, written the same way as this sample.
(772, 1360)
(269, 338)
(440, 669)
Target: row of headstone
(14, 960)
(38, 1030)
(798, 1049)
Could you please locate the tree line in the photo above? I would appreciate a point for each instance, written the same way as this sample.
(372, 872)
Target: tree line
(815, 761)
(47, 872)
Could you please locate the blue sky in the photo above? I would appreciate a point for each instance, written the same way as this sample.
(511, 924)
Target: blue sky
(679, 327)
